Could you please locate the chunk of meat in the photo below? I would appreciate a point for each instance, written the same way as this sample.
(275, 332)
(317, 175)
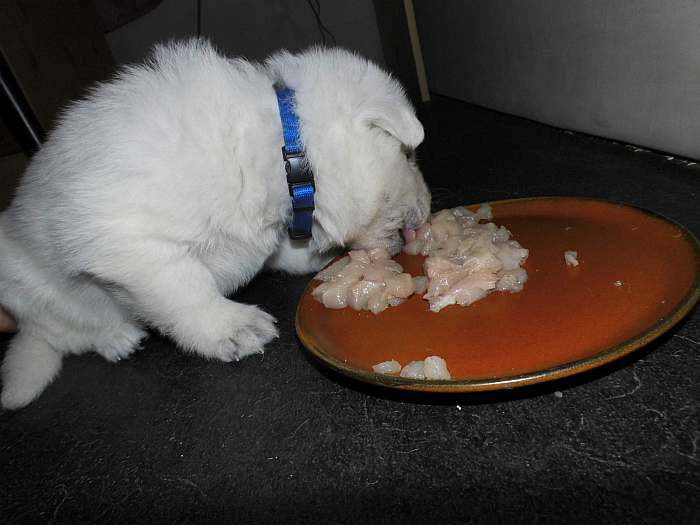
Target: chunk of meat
(387, 367)
(466, 259)
(432, 367)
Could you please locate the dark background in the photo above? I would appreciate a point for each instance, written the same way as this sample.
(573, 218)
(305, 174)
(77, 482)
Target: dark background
(166, 437)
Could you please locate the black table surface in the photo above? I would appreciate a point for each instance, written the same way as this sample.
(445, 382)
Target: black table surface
(169, 437)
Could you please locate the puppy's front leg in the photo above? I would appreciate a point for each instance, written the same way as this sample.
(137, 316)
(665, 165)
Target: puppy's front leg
(179, 297)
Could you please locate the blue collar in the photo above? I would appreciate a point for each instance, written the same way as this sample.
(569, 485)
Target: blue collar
(300, 178)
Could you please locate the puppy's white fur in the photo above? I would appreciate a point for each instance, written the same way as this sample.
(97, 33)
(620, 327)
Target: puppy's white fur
(164, 191)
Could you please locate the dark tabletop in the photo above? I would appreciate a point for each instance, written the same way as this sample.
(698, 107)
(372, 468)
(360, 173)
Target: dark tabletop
(168, 437)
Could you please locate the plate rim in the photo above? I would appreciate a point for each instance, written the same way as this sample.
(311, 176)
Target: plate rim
(682, 308)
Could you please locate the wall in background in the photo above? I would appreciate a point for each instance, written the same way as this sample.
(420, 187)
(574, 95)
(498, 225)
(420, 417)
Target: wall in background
(256, 29)
(252, 28)
(171, 19)
(623, 70)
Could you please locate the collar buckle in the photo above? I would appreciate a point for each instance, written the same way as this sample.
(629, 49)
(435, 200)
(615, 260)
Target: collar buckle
(296, 167)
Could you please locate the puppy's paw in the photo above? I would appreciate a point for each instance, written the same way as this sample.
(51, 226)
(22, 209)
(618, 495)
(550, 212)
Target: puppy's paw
(121, 343)
(30, 364)
(246, 332)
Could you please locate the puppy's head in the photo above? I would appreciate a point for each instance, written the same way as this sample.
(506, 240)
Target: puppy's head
(360, 133)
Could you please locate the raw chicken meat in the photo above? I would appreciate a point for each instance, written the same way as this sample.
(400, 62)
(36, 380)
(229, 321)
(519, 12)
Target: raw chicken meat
(435, 367)
(467, 260)
(364, 280)
(571, 258)
(432, 367)
(414, 370)
(387, 367)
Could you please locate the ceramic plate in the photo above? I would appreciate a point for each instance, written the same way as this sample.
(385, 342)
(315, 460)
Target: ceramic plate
(639, 274)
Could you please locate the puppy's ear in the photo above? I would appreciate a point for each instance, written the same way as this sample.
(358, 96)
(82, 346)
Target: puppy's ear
(398, 121)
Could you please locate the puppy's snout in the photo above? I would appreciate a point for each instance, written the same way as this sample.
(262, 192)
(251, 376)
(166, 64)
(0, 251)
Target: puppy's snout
(415, 218)
(419, 214)
(423, 211)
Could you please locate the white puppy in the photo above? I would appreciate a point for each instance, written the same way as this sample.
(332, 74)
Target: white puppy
(164, 191)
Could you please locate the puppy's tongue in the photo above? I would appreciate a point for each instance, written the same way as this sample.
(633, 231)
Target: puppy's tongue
(409, 234)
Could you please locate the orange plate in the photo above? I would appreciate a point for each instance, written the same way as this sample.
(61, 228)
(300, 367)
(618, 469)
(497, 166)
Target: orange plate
(565, 321)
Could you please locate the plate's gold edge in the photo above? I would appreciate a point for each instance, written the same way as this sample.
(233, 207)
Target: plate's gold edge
(550, 374)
